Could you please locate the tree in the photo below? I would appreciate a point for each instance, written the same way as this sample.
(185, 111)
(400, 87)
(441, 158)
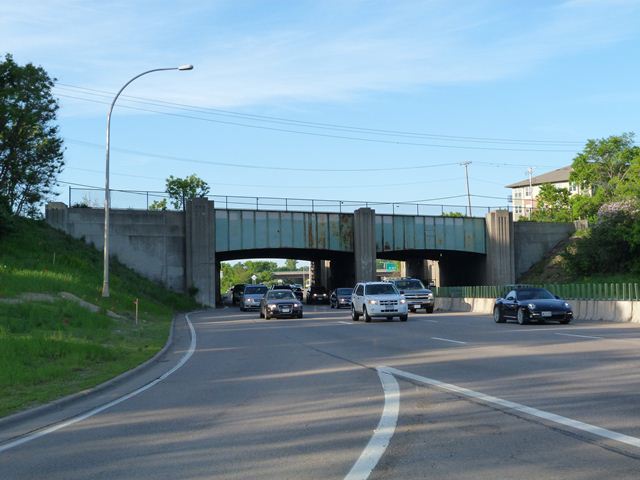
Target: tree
(604, 166)
(182, 189)
(158, 205)
(553, 205)
(291, 265)
(31, 151)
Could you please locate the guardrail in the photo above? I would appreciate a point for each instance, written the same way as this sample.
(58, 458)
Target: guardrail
(143, 199)
(570, 291)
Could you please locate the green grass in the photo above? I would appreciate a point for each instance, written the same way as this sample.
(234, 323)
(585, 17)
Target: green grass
(51, 349)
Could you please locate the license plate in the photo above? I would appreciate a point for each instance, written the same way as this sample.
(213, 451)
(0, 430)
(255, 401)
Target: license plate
(286, 310)
(546, 314)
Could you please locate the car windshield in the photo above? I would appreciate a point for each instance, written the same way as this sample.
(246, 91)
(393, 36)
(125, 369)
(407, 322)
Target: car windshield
(534, 293)
(280, 295)
(380, 289)
(281, 287)
(255, 290)
(343, 291)
(409, 284)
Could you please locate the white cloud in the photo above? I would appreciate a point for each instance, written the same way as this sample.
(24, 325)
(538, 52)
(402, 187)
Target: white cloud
(311, 52)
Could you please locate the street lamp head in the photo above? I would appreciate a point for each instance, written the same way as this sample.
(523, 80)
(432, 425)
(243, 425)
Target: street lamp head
(185, 67)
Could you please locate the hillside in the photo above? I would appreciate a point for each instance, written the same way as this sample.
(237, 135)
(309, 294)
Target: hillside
(51, 342)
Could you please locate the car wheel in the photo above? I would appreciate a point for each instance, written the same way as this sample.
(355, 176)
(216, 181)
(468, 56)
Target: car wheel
(403, 318)
(497, 315)
(412, 310)
(267, 315)
(354, 315)
(331, 305)
(261, 314)
(300, 315)
(523, 317)
(365, 314)
(429, 309)
(565, 321)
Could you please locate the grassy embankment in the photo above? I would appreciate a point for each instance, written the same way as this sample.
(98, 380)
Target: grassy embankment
(51, 347)
(552, 268)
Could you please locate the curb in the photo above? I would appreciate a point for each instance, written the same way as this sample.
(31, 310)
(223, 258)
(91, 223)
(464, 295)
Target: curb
(64, 401)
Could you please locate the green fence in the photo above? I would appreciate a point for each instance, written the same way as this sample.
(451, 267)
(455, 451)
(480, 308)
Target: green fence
(574, 291)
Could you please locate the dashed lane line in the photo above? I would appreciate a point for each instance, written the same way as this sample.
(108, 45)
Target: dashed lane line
(579, 336)
(448, 340)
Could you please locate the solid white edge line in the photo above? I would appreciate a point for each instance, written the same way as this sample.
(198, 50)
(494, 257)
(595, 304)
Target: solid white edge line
(447, 340)
(102, 408)
(506, 404)
(579, 336)
(383, 432)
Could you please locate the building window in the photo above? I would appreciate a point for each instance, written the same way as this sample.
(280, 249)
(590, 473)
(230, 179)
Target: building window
(527, 192)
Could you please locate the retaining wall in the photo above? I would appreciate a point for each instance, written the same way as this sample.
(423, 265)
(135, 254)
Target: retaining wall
(588, 310)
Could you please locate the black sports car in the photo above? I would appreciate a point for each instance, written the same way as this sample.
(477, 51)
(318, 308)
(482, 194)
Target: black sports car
(526, 304)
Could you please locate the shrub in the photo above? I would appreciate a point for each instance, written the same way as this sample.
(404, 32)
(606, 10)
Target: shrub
(613, 243)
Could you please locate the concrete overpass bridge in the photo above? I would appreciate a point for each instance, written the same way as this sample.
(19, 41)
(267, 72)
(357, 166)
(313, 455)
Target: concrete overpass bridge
(184, 250)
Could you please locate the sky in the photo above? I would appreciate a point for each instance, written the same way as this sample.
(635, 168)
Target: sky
(352, 101)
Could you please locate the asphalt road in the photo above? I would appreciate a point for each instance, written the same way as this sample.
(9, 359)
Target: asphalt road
(301, 398)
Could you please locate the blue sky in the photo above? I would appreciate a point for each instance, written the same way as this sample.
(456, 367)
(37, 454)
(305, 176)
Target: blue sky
(305, 99)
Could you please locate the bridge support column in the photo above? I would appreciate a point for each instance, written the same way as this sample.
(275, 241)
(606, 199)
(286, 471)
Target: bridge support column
(415, 268)
(200, 268)
(500, 260)
(364, 244)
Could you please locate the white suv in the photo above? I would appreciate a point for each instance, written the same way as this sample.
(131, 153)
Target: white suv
(378, 299)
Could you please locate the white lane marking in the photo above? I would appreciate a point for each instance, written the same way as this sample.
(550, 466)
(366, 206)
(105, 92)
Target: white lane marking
(506, 404)
(430, 321)
(447, 340)
(579, 336)
(346, 323)
(384, 431)
(102, 408)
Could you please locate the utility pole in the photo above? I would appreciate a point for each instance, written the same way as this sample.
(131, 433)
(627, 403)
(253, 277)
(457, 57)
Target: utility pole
(530, 172)
(466, 174)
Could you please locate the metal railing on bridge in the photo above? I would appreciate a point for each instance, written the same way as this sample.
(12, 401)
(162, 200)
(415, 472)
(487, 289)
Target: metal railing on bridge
(144, 199)
(569, 291)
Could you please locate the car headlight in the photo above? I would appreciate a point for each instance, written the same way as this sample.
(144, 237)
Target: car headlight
(402, 300)
(430, 295)
(532, 306)
(272, 306)
(567, 306)
(372, 302)
(297, 305)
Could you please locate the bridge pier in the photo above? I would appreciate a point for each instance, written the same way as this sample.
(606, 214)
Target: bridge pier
(500, 258)
(364, 244)
(200, 266)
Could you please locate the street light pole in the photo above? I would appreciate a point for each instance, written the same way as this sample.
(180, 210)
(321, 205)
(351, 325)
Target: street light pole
(530, 172)
(107, 193)
(466, 174)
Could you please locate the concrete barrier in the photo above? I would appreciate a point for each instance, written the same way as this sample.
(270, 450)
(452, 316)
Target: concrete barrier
(585, 310)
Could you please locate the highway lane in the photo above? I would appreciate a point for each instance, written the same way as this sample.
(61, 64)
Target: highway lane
(300, 399)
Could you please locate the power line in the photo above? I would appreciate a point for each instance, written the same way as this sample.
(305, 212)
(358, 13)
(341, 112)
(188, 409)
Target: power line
(325, 135)
(316, 186)
(288, 121)
(256, 166)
